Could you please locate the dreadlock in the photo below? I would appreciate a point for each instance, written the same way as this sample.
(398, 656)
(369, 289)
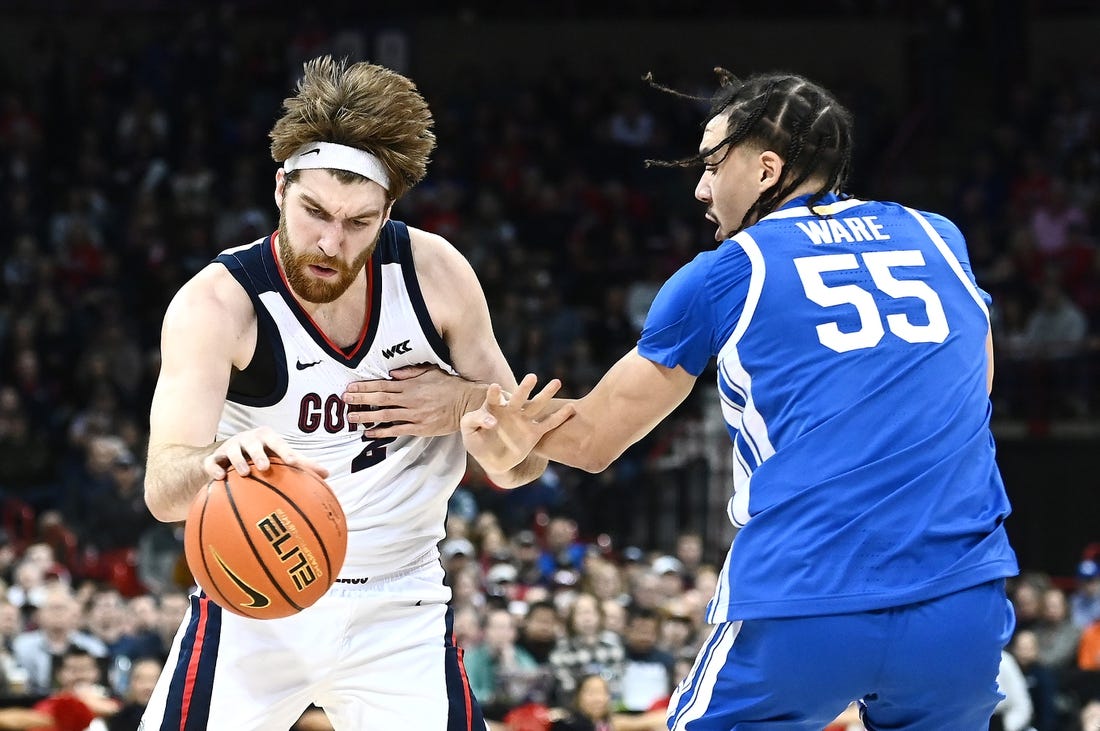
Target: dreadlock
(787, 114)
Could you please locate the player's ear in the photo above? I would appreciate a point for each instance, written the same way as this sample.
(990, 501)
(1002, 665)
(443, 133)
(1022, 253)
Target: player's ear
(280, 187)
(771, 166)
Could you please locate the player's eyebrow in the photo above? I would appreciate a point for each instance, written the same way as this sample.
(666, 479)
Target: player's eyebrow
(312, 202)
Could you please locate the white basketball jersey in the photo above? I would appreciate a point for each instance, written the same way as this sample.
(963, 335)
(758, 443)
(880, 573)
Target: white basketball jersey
(393, 490)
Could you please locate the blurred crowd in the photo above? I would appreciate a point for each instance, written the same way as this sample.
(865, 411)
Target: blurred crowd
(124, 171)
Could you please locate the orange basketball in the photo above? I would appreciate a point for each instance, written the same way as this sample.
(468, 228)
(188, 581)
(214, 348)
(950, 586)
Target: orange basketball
(267, 544)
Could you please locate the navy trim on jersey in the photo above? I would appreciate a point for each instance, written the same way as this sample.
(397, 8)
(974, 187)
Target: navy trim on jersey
(264, 381)
(416, 297)
(464, 713)
(188, 703)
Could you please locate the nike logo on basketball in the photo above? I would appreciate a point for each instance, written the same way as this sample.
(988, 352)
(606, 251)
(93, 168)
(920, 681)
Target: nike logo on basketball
(259, 601)
(399, 349)
(302, 366)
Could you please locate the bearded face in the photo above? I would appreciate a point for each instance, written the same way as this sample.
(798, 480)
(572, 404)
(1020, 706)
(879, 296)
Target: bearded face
(313, 276)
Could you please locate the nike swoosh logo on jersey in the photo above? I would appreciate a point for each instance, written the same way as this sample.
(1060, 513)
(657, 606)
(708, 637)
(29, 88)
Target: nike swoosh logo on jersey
(302, 366)
(259, 600)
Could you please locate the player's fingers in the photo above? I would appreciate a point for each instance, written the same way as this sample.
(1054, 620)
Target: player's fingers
(270, 444)
(387, 413)
(380, 385)
(476, 420)
(213, 466)
(542, 399)
(494, 397)
(372, 398)
(556, 419)
(234, 452)
(524, 389)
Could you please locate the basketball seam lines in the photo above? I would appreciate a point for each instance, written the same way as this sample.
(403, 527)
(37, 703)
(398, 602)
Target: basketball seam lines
(255, 552)
(305, 518)
(202, 526)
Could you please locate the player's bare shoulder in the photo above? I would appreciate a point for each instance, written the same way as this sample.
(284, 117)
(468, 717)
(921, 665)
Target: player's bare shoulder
(447, 281)
(212, 308)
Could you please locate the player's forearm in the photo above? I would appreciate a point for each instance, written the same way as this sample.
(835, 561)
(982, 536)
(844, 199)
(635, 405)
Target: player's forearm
(173, 475)
(579, 443)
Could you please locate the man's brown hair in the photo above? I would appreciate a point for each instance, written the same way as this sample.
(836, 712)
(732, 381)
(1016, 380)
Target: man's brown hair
(360, 105)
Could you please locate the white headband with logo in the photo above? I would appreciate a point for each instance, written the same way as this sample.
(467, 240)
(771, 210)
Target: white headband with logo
(338, 157)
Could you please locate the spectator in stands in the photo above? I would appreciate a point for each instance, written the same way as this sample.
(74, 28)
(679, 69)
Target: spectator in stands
(120, 516)
(670, 574)
(525, 556)
(561, 550)
(1085, 602)
(502, 675)
(587, 648)
(647, 670)
(540, 631)
(1026, 601)
(143, 677)
(604, 580)
(1055, 632)
(160, 559)
(646, 590)
(1042, 685)
(467, 627)
(144, 616)
(1053, 338)
(39, 650)
(106, 619)
(679, 628)
(29, 588)
(689, 552)
(591, 709)
(1088, 649)
(614, 615)
(80, 701)
(172, 606)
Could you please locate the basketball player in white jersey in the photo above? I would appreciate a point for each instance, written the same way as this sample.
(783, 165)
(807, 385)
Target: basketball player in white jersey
(257, 350)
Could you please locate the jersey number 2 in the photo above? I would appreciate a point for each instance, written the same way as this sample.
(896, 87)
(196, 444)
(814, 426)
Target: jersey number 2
(373, 453)
(870, 332)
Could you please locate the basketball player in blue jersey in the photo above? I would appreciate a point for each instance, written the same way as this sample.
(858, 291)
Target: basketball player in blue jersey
(257, 350)
(854, 361)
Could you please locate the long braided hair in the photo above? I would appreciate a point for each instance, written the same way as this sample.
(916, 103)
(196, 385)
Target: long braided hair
(795, 118)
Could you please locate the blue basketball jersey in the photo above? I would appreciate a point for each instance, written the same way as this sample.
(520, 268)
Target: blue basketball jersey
(852, 375)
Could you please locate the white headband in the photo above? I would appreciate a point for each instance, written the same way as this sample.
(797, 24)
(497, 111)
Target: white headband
(338, 157)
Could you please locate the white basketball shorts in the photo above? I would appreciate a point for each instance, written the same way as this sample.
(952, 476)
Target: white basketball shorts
(375, 655)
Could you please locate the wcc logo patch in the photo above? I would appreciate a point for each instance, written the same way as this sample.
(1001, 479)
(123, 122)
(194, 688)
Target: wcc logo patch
(399, 349)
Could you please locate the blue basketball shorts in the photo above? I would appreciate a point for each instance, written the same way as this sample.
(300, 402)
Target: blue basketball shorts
(929, 666)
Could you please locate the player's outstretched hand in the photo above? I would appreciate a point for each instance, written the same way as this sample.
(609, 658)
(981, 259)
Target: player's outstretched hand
(421, 401)
(255, 446)
(503, 431)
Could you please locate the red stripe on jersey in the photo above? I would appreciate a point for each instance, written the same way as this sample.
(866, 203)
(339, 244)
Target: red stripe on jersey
(466, 696)
(193, 665)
